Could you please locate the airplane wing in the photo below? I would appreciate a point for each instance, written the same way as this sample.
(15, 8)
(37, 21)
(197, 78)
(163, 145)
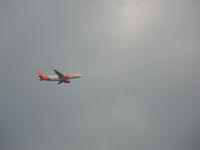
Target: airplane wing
(60, 82)
(60, 75)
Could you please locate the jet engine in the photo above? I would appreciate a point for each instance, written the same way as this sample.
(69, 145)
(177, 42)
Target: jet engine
(67, 81)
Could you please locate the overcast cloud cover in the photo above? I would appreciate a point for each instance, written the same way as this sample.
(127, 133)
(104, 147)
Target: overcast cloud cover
(140, 63)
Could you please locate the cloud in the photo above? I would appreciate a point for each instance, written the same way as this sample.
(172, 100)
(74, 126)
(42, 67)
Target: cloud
(139, 61)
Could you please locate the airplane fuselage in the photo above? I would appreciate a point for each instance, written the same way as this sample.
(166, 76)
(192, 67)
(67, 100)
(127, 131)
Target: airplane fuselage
(67, 76)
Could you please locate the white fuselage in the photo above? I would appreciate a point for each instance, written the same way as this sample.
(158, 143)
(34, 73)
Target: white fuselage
(68, 77)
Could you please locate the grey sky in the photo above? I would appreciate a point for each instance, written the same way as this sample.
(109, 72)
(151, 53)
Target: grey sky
(140, 65)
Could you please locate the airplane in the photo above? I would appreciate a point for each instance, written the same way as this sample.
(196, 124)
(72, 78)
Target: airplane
(61, 78)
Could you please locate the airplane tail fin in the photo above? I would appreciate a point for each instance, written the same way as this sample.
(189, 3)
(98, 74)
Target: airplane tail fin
(42, 75)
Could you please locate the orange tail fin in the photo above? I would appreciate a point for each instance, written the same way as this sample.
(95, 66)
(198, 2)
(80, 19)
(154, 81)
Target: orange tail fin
(42, 75)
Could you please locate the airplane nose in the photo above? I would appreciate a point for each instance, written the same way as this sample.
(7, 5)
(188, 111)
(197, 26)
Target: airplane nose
(80, 75)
